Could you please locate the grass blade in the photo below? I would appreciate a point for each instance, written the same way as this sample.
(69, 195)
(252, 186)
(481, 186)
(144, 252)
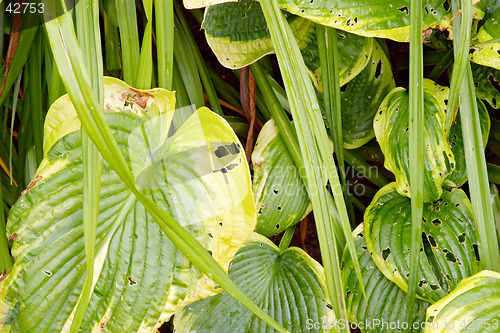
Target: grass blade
(473, 146)
(164, 12)
(416, 149)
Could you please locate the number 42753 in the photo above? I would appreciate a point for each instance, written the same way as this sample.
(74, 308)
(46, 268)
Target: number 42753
(25, 7)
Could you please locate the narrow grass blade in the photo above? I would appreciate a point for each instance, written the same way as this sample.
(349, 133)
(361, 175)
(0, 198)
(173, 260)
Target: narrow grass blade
(145, 74)
(164, 13)
(129, 37)
(315, 149)
(87, 13)
(416, 147)
(473, 146)
(68, 55)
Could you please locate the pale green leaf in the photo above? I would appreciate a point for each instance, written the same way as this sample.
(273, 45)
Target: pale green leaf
(385, 302)
(448, 247)
(370, 18)
(289, 285)
(362, 97)
(472, 307)
(195, 170)
(391, 127)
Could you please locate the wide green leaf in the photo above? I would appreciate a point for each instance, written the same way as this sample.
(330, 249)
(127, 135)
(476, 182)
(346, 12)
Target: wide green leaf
(289, 284)
(472, 307)
(354, 52)
(448, 251)
(487, 83)
(280, 194)
(391, 125)
(487, 50)
(385, 302)
(459, 174)
(362, 97)
(371, 18)
(237, 32)
(194, 169)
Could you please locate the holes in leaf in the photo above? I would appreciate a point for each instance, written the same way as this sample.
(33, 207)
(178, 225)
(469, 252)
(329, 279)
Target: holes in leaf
(462, 237)
(279, 208)
(210, 235)
(424, 219)
(277, 226)
(378, 70)
(449, 256)
(348, 294)
(365, 247)
(432, 241)
(434, 286)
(49, 273)
(422, 283)
(276, 191)
(131, 281)
(494, 83)
(405, 10)
(437, 222)
(386, 252)
(328, 305)
(476, 251)
(341, 36)
(220, 224)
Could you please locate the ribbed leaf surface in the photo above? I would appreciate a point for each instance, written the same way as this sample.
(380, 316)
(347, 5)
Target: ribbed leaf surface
(473, 307)
(459, 174)
(487, 82)
(385, 301)
(280, 194)
(288, 285)
(194, 169)
(362, 97)
(488, 52)
(391, 125)
(448, 252)
(371, 18)
(237, 32)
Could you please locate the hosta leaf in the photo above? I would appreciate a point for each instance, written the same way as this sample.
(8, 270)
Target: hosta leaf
(459, 175)
(449, 251)
(354, 54)
(474, 306)
(362, 97)
(487, 53)
(280, 194)
(237, 32)
(194, 169)
(487, 82)
(192, 4)
(288, 284)
(385, 301)
(371, 18)
(391, 126)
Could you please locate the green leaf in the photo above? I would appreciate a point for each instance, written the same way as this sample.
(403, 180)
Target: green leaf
(391, 127)
(353, 52)
(448, 250)
(280, 194)
(289, 284)
(487, 83)
(195, 170)
(385, 301)
(459, 174)
(487, 50)
(362, 97)
(472, 307)
(237, 32)
(370, 18)
(192, 4)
